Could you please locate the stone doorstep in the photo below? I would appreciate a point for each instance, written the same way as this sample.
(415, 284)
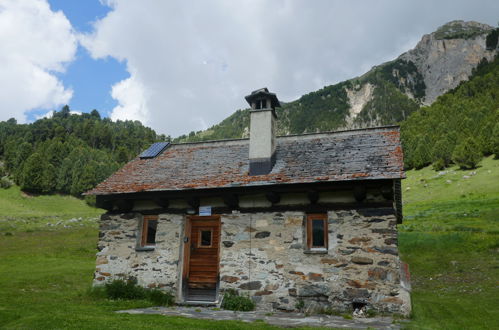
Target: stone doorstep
(281, 319)
(201, 303)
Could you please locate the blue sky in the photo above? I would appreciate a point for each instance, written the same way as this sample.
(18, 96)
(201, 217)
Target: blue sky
(90, 79)
(181, 66)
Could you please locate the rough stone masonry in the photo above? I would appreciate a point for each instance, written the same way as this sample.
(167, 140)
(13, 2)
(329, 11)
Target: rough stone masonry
(264, 254)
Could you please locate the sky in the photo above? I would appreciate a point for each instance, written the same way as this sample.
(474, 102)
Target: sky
(181, 66)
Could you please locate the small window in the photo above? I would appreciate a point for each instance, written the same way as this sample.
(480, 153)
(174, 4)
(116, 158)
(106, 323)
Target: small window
(149, 225)
(205, 238)
(317, 232)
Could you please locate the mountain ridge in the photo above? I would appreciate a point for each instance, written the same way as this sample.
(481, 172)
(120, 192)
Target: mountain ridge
(385, 95)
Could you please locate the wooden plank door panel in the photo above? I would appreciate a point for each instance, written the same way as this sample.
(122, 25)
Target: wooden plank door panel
(204, 242)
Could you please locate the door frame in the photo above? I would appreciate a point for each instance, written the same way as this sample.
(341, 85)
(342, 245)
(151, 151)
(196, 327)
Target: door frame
(187, 242)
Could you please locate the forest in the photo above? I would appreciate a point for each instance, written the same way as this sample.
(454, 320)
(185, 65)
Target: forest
(68, 153)
(460, 127)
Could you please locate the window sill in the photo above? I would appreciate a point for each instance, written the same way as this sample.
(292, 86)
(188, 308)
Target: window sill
(144, 248)
(316, 251)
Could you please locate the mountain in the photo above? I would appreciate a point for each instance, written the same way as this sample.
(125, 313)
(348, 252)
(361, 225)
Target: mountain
(460, 127)
(387, 94)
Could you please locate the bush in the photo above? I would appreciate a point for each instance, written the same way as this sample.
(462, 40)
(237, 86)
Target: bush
(161, 298)
(439, 165)
(300, 304)
(90, 200)
(119, 289)
(234, 302)
(5, 183)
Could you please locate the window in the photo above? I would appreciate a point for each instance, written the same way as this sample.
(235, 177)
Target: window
(205, 237)
(149, 225)
(317, 232)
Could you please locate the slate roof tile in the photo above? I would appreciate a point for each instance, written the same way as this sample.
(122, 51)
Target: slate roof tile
(364, 154)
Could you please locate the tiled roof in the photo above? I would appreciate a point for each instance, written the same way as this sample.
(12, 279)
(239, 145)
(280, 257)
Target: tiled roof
(364, 154)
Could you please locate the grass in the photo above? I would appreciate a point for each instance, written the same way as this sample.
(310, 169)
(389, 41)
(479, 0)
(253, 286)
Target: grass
(20, 212)
(45, 278)
(450, 238)
(47, 259)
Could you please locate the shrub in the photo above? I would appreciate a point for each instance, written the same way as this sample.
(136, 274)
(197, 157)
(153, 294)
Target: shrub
(439, 165)
(5, 183)
(161, 298)
(119, 289)
(90, 200)
(300, 304)
(234, 302)
(467, 154)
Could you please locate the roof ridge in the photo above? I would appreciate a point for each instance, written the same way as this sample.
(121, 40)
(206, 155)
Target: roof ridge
(377, 128)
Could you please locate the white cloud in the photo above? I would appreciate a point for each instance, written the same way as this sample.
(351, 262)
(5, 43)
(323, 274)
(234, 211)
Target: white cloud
(132, 101)
(35, 44)
(192, 62)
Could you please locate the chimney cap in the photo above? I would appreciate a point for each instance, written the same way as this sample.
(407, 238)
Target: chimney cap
(263, 93)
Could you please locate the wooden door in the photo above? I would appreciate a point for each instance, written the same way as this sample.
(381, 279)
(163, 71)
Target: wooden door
(203, 257)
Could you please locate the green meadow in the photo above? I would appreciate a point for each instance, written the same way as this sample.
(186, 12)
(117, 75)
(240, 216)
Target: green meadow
(450, 238)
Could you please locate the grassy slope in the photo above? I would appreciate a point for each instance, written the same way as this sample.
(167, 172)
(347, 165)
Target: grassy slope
(450, 238)
(19, 211)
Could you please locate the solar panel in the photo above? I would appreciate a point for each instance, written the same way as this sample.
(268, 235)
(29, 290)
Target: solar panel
(154, 150)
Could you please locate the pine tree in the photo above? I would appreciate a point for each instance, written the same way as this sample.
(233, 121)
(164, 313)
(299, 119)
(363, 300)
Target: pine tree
(442, 154)
(495, 141)
(37, 175)
(467, 154)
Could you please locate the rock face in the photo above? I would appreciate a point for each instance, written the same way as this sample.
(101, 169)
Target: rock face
(358, 98)
(386, 94)
(447, 56)
(265, 255)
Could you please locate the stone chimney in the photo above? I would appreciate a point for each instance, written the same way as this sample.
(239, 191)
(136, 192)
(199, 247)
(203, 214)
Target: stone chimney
(262, 131)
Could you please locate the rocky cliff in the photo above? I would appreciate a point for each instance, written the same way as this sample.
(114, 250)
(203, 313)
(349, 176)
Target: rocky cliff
(386, 94)
(447, 56)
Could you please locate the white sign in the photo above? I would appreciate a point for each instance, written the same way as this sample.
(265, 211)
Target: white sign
(204, 211)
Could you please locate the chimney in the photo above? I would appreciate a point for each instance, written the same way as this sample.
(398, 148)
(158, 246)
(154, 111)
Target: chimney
(262, 131)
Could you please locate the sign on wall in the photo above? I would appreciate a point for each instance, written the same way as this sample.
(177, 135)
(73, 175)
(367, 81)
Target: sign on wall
(204, 211)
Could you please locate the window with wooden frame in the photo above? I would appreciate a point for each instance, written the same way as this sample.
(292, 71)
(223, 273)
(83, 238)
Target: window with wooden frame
(205, 238)
(317, 232)
(148, 233)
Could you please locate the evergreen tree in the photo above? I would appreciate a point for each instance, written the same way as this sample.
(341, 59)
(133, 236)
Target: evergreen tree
(495, 141)
(37, 175)
(442, 154)
(467, 154)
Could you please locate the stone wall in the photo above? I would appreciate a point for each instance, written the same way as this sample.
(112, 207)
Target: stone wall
(265, 255)
(361, 264)
(118, 258)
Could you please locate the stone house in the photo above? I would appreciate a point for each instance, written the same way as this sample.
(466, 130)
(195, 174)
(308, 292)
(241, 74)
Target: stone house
(303, 218)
